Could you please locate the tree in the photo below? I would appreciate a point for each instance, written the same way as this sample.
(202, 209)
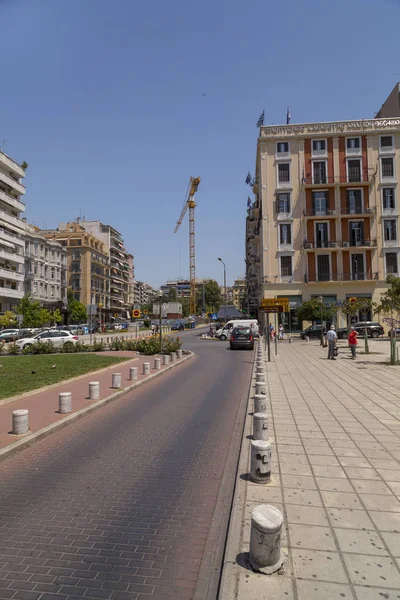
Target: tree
(172, 295)
(77, 310)
(390, 305)
(185, 306)
(315, 310)
(56, 316)
(33, 313)
(8, 319)
(353, 306)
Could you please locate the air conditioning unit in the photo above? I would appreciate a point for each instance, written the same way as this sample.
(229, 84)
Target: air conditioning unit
(346, 244)
(308, 245)
(332, 244)
(369, 211)
(332, 213)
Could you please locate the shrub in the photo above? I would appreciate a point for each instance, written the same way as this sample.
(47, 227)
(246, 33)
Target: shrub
(78, 347)
(146, 323)
(98, 346)
(131, 345)
(41, 348)
(13, 349)
(171, 344)
(117, 345)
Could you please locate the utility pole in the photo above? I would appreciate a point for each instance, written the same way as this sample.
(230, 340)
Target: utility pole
(225, 290)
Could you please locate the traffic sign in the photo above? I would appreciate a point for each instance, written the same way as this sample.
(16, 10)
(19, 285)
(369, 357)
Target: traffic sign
(214, 317)
(352, 300)
(145, 312)
(136, 313)
(91, 309)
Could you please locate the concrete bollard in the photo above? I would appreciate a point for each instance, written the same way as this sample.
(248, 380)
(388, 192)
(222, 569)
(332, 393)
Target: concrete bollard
(94, 390)
(260, 377)
(108, 340)
(260, 370)
(165, 359)
(260, 461)
(179, 354)
(290, 340)
(260, 404)
(265, 539)
(20, 422)
(260, 426)
(64, 403)
(133, 373)
(157, 364)
(146, 368)
(173, 356)
(260, 388)
(116, 381)
(307, 338)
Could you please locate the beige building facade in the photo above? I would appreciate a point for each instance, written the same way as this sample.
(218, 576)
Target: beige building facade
(325, 218)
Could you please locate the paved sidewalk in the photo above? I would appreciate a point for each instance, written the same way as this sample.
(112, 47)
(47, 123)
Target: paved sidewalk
(43, 405)
(335, 433)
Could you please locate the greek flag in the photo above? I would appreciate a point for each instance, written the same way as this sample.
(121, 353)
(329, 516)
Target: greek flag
(248, 178)
(260, 121)
(288, 116)
(248, 201)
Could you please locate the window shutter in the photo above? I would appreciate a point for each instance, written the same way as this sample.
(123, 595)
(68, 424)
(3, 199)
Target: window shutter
(328, 205)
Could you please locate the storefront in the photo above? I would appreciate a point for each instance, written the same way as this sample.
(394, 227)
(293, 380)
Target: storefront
(289, 320)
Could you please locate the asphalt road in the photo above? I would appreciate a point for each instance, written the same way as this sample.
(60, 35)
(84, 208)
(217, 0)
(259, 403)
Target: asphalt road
(131, 502)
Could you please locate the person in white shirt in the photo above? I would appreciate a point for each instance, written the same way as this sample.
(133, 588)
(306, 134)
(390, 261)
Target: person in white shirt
(331, 337)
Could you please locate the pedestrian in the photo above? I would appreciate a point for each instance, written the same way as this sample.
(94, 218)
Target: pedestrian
(271, 331)
(352, 339)
(281, 334)
(331, 337)
(152, 329)
(156, 329)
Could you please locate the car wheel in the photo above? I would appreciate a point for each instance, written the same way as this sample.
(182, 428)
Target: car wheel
(222, 338)
(375, 334)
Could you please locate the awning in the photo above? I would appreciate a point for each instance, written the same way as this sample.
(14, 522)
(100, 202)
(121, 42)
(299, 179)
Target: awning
(12, 227)
(7, 244)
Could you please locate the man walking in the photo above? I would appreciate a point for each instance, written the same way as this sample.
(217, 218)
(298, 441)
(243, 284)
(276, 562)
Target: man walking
(331, 337)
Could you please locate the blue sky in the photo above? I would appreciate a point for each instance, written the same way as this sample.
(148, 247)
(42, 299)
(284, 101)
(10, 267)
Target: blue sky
(114, 104)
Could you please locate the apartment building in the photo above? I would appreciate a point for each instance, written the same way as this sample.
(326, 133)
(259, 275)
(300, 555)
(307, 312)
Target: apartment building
(12, 229)
(239, 293)
(143, 293)
(121, 270)
(324, 221)
(87, 265)
(45, 269)
(182, 287)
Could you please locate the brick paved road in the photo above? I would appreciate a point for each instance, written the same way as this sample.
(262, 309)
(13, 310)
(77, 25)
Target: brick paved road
(119, 504)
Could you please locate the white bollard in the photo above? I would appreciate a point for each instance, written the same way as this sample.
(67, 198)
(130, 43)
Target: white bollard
(94, 390)
(20, 422)
(260, 377)
(307, 338)
(133, 373)
(260, 426)
(265, 539)
(146, 368)
(64, 403)
(157, 364)
(260, 461)
(173, 356)
(260, 371)
(116, 381)
(179, 354)
(166, 359)
(260, 404)
(260, 388)
(290, 340)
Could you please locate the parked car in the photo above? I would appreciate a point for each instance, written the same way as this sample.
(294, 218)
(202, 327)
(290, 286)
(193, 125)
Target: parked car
(313, 332)
(242, 337)
(8, 335)
(71, 328)
(226, 330)
(397, 332)
(374, 330)
(57, 338)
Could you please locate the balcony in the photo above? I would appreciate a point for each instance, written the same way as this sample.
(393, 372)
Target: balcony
(319, 245)
(284, 216)
(359, 244)
(354, 176)
(14, 202)
(6, 292)
(12, 256)
(282, 155)
(12, 275)
(390, 212)
(328, 212)
(332, 278)
(12, 183)
(13, 221)
(319, 153)
(391, 243)
(357, 211)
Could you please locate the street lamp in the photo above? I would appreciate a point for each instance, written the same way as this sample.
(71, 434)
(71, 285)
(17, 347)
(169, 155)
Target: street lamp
(161, 297)
(220, 259)
(321, 301)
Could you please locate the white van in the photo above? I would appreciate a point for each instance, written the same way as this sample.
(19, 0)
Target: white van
(225, 332)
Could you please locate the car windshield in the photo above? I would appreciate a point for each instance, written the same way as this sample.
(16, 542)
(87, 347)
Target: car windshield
(239, 331)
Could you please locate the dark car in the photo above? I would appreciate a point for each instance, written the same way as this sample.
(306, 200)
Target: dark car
(314, 331)
(397, 332)
(374, 330)
(242, 337)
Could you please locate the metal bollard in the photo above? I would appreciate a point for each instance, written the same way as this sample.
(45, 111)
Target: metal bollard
(179, 354)
(260, 426)
(260, 377)
(133, 373)
(265, 539)
(260, 461)
(64, 403)
(94, 390)
(166, 359)
(173, 356)
(260, 387)
(20, 422)
(116, 381)
(146, 368)
(260, 404)
(157, 364)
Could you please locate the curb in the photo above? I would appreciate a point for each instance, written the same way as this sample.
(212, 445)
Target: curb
(62, 382)
(31, 438)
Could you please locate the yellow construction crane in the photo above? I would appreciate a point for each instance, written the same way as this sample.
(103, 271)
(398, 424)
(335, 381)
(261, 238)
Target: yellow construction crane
(190, 203)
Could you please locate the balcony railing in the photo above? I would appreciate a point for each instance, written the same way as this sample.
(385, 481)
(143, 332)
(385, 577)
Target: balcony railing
(18, 204)
(10, 274)
(332, 277)
(353, 176)
(12, 182)
(357, 210)
(11, 293)
(321, 244)
(327, 212)
(339, 244)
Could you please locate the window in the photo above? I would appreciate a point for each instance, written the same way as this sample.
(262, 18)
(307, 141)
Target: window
(388, 198)
(353, 143)
(389, 228)
(356, 233)
(354, 202)
(386, 141)
(285, 234)
(321, 235)
(320, 203)
(387, 167)
(319, 171)
(284, 173)
(52, 272)
(282, 147)
(357, 267)
(323, 267)
(354, 170)
(391, 263)
(286, 266)
(283, 203)
(319, 145)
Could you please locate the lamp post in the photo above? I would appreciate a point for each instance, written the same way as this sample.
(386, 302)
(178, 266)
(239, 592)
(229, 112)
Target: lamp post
(321, 301)
(220, 259)
(161, 297)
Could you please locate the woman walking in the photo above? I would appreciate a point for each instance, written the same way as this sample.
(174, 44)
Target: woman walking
(352, 339)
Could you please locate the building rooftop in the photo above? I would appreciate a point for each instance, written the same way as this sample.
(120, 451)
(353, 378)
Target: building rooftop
(360, 126)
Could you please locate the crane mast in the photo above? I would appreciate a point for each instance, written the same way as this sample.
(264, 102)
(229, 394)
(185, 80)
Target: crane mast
(190, 203)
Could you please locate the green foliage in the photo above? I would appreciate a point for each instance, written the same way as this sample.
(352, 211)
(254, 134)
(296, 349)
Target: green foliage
(98, 346)
(117, 344)
(212, 296)
(56, 316)
(39, 348)
(314, 310)
(13, 349)
(24, 165)
(390, 305)
(185, 306)
(8, 319)
(146, 323)
(172, 295)
(33, 313)
(77, 310)
(130, 345)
